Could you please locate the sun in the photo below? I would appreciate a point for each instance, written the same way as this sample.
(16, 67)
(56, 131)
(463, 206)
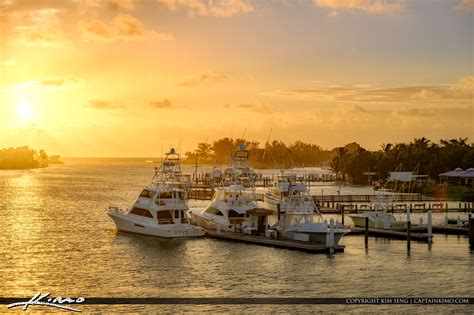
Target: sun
(23, 110)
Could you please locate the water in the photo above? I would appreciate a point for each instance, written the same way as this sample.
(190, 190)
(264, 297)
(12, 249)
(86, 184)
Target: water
(56, 237)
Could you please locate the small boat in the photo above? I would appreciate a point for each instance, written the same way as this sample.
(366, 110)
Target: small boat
(285, 186)
(160, 209)
(303, 221)
(233, 198)
(379, 217)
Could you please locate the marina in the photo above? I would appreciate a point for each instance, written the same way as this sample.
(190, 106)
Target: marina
(126, 262)
(236, 157)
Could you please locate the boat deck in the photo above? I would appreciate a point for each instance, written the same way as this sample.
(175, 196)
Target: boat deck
(265, 241)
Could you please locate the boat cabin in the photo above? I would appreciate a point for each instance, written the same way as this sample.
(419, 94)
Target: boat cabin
(165, 204)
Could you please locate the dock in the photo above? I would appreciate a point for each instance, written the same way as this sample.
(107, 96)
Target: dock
(279, 243)
(439, 229)
(401, 235)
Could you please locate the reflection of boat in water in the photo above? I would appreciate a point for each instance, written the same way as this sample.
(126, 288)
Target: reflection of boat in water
(284, 187)
(160, 209)
(234, 197)
(378, 215)
(303, 221)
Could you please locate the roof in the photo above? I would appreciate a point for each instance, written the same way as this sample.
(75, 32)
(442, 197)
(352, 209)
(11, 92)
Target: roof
(459, 172)
(400, 176)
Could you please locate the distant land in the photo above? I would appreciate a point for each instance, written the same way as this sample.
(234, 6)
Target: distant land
(25, 158)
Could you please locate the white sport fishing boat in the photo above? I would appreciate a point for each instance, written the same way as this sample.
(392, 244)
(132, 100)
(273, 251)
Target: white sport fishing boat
(303, 221)
(379, 217)
(232, 200)
(160, 209)
(285, 186)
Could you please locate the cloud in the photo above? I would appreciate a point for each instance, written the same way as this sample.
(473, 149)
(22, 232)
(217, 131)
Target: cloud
(467, 5)
(51, 83)
(258, 107)
(368, 6)
(202, 79)
(121, 4)
(36, 27)
(46, 16)
(123, 26)
(166, 103)
(220, 8)
(101, 104)
(60, 81)
(40, 35)
(461, 91)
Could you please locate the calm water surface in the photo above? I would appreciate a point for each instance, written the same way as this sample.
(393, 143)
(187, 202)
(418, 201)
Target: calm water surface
(56, 237)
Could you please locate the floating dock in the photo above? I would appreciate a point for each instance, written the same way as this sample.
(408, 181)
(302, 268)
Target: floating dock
(265, 241)
(401, 235)
(439, 229)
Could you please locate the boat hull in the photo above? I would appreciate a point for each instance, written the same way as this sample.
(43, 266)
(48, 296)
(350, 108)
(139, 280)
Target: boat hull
(315, 238)
(126, 223)
(383, 222)
(210, 222)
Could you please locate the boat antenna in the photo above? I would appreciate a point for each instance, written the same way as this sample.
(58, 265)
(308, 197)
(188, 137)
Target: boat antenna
(243, 135)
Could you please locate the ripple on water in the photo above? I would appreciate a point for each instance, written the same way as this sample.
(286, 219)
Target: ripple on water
(56, 237)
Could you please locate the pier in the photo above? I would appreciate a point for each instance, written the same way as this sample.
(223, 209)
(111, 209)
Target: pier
(279, 243)
(394, 234)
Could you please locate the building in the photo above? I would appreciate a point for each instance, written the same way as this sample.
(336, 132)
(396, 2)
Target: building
(458, 177)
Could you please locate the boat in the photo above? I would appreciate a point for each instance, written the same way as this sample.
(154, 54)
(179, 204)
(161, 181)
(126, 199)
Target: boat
(160, 209)
(303, 221)
(233, 198)
(284, 186)
(379, 217)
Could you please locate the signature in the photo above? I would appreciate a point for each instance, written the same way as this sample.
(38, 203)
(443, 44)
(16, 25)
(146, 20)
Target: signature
(45, 300)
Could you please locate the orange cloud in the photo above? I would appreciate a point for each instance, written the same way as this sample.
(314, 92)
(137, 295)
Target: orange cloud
(369, 6)
(462, 91)
(101, 104)
(122, 4)
(51, 83)
(221, 8)
(123, 26)
(166, 103)
(467, 5)
(258, 107)
(201, 79)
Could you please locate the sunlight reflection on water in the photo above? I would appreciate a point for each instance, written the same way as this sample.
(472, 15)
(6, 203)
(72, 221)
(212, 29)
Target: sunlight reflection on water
(56, 237)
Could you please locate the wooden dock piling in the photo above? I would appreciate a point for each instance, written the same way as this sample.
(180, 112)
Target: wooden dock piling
(430, 226)
(366, 232)
(409, 228)
(342, 214)
(471, 230)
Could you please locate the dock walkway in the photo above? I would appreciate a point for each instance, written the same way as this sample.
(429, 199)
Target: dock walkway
(439, 229)
(422, 237)
(260, 240)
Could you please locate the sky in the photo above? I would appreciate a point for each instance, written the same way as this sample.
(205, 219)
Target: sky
(126, 77)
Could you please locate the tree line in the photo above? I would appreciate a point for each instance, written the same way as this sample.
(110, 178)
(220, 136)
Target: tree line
(274, 154)
(22, 158)
(351, 163)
